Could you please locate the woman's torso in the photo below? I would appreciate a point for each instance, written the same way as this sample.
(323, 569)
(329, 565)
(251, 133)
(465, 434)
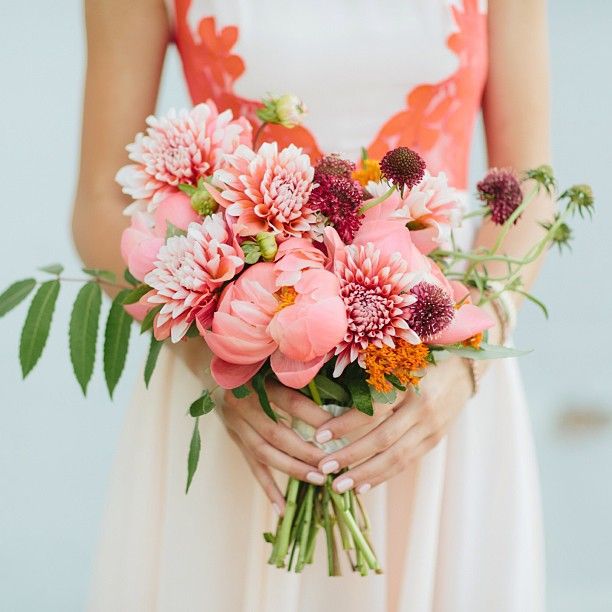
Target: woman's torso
(373, 74)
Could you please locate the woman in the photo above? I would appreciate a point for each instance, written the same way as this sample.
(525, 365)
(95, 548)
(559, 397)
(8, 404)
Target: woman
(458, 525)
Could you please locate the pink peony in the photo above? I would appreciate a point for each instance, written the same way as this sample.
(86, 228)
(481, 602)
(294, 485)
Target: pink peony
(267, 191)
(179, 148)
(188, 272)
(294, 256)
(295, 326)
(175, 209)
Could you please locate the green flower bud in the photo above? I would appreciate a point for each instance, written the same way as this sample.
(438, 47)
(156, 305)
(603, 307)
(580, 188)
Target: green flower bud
(562, 235)
(267, 245)
(544, 176)
(287, 110)
(580, 198)
(201, 200)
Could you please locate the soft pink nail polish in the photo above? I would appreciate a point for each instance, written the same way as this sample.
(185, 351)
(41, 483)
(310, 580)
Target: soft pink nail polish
(330, 466)
(344, 484)
(364, 488)
(315, 478)
(323, 436)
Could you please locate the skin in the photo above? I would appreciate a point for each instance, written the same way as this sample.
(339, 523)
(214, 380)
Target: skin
(125, 58)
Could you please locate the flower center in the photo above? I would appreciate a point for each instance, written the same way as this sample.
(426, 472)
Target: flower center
(286, 297)
(368, 311)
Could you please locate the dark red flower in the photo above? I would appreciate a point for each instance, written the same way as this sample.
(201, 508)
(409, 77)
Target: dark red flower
(403, 167)
(432, 312)
(501, 191)
(334, 165)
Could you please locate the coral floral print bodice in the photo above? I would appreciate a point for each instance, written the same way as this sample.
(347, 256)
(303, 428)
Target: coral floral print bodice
(374, 74)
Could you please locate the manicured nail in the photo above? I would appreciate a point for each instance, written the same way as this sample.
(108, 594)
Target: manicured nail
(323, 436)
(330, 466)
(344, 484)
(364, 488)
(315, 478)
(276, 509)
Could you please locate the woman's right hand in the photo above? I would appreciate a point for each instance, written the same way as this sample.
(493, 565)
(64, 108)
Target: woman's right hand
(266, 444)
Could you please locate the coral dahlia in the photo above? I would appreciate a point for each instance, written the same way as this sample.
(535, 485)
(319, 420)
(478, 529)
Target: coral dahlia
(188, 272)
(180, 147)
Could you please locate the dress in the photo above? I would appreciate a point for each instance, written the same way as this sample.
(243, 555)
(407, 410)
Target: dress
(463, 527)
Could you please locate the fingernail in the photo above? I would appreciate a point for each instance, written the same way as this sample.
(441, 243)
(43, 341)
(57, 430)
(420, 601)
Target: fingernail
(315, 478)
(323, 436)
(276, 509)
(330, 466)
(344, 484)
(364, 488)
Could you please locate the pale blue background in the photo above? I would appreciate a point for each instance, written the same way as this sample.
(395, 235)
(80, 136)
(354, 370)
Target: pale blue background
(56, 447)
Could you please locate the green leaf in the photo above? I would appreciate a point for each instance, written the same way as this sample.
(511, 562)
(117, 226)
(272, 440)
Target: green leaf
(172, 230)
(395, 381)
(147, 322)
(195, 446)
(241, 392)
(116, 340)
(383, 398)
(106, 275)
(193, 331)
(486, 351)
(203, 405)
(534, 300)
(37, 325)
(56, 269)
(259, 384)
(83, 332)
(355, 379)
(133, 295)
(154, 349)
(15, 294)
(331, 390)
(130, 278)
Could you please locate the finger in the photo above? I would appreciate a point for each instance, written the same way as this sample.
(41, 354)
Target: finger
(383, 466)
(297, 405)
(341, 426)
(374, 442)
(264, 476)
(268, 455)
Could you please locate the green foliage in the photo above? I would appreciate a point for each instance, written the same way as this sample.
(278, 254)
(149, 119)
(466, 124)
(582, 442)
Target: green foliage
(83, 332)
(15, 294)
(332, 391)
(259, 384)
(130, 278)
(172, 230)
(486, 351)
(241, 392)
(252, 252)
(195, 446)
(55, 269)
(203, 405)
(147, 322)
(383, 398)
(105, 275)
(133, 295)
(37, 325)
(354, 378)
(154, 349)
(116, 340)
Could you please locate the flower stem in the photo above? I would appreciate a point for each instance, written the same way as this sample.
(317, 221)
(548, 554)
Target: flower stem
(314, 392)
(376, 201)
(332, 555)
(308, 503)
(286, 524)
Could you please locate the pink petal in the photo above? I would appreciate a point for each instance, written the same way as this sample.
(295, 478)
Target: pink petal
(292, 373)
(238, 350)
(469, 320)
(230, 375)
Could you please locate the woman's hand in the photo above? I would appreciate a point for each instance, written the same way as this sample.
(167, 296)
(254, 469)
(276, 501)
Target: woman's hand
(266, 444)
(416, 424)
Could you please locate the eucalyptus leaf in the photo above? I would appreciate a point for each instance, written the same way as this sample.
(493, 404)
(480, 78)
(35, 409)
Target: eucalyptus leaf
(154, 349)
(116, 340)
(37, 325)
(83, 332)
(195, 446)
(56, 269)
(15, 294)
(203, 405)
(486, 351)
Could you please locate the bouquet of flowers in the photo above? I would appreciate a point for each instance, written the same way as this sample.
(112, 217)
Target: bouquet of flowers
(344, 282)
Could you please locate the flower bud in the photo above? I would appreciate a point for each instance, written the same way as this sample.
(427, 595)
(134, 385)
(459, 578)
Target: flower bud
(580, 198)
(543, 175)
(267, 245)
(562, 234)
(287, 110)
(201, 200)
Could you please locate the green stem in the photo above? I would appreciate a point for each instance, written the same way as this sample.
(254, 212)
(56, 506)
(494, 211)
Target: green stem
(314, 392)
(332, 555)
(507, 226)
(376, 201)
(305, 529)
(286, 524)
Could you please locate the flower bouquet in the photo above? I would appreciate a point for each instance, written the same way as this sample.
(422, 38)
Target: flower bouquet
(344, 282)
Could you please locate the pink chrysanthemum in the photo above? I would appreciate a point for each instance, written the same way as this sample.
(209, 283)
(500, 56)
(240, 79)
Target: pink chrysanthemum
(188, 272)
(339, 199)
(376, 291)
(432, 311)
(502, 193)
(180, 148)
(267, 190)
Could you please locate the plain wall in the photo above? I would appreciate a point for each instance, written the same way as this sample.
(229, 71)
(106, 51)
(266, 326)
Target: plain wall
(56, 447)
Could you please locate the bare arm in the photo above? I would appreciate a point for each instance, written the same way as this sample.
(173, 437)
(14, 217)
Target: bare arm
(516, 114)
(126, 44)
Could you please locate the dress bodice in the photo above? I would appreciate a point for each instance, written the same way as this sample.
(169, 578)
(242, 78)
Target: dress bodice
(373, 74)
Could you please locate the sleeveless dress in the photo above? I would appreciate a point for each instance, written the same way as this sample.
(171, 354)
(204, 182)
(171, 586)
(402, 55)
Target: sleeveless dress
(460, 532)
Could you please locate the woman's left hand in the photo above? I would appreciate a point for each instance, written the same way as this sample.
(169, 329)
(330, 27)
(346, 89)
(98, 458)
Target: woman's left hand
(416, 423)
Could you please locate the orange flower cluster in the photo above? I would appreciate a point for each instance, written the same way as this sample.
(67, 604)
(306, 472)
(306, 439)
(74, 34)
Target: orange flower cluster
(474, 341)
(369, 171)
(404, 362)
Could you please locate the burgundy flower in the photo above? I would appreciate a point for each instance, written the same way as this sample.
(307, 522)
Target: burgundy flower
(403, 167)
(502, 193)
(432, 311)
(334, 165)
